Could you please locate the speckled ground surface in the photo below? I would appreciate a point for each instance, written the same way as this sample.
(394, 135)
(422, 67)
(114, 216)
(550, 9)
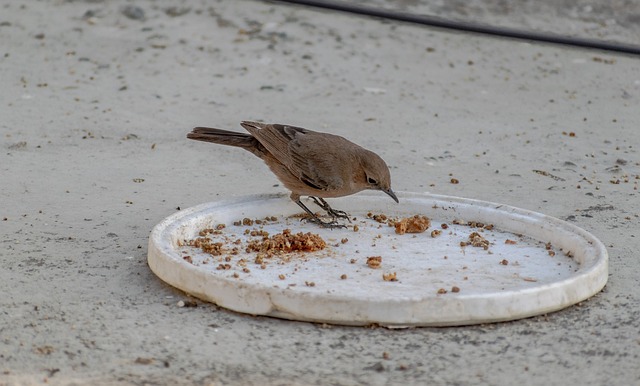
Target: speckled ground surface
(97, 99)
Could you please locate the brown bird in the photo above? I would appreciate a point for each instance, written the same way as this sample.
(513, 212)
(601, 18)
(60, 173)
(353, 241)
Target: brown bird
(308, 163)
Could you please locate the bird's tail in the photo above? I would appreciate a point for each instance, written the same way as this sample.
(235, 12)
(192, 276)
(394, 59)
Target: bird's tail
(226, 137)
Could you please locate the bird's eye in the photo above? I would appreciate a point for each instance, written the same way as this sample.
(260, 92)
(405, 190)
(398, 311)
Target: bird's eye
(372, 181)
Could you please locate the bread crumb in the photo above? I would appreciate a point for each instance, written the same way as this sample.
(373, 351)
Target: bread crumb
(287, 242)
(476, 240)
(374, 261)
(415, 224)
(389, 277)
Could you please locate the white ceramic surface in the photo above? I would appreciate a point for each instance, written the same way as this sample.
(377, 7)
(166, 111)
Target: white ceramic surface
(508, 281)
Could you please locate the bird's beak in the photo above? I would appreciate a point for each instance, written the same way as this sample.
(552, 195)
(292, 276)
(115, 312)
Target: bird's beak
(391, 194)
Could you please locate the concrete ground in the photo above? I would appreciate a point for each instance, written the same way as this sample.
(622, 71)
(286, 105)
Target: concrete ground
(97, 98)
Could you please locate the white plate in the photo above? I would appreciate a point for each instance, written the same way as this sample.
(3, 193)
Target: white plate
(508, 281)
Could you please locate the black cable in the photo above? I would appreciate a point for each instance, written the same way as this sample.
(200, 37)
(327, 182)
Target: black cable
(469, 27)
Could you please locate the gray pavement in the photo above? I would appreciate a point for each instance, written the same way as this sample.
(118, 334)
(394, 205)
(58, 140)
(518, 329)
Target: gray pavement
(95, 106)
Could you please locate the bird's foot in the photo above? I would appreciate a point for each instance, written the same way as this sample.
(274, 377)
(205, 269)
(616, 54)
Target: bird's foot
(333, 224)
(316, 220)
(338, 214)
(334, 213)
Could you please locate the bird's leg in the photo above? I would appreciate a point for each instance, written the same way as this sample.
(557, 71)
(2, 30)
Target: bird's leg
(332, 212)
(316, 219)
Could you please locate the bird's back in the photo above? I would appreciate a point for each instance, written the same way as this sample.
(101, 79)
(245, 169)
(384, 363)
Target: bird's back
(320, 160)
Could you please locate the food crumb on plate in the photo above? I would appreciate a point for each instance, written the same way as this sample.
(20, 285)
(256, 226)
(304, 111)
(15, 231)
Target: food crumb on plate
(415, 224)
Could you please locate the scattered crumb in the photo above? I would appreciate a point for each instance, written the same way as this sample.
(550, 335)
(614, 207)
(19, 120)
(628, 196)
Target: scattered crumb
(258, 232)
(476, 240)
(381, 218)
(344, 241)
(309, 284)
(415, 224)
(343, 276)
(288, 242)
(504, 262)
(472, 224)
(207, 245)
(374, 261)
(510, 242)
(356, 228)
(455, 289)
(206, 231)
(441, 291)
(435, 233)
(389, 277)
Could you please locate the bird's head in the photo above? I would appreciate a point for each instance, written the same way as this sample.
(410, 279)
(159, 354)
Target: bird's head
(376, 173)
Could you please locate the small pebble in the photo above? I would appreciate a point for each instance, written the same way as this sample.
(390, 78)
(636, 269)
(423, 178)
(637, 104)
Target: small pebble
(133, 12)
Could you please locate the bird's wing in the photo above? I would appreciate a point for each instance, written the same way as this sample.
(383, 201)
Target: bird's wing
(321, 160)
(312, 157)
(275, 138)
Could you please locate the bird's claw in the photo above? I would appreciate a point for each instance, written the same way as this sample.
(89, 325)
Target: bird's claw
(338, 214)
(326, 224)
(334, 213)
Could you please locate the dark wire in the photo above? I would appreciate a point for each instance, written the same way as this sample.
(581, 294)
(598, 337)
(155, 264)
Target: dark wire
(469, 27)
